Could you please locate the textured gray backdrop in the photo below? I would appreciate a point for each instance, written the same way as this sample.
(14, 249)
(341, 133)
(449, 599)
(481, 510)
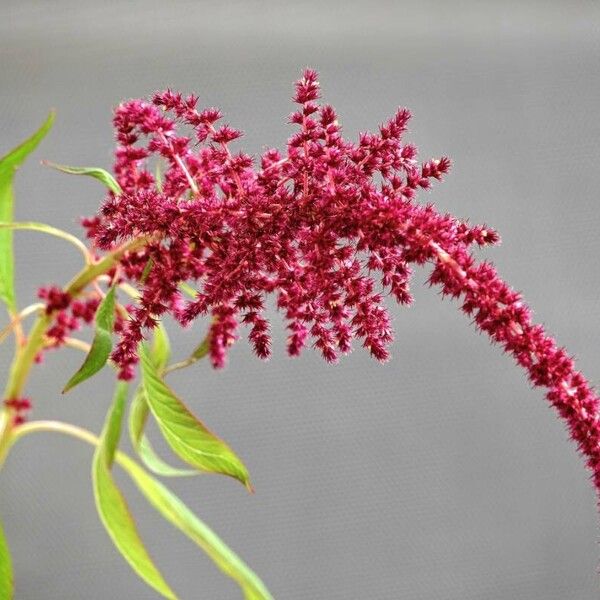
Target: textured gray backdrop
(440, 475)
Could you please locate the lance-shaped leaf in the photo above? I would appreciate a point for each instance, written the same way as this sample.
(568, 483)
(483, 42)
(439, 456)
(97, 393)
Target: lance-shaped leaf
(189, 438)
(112, 508)
(102, 343)
(202, 349)
(177, 513)
(8, 167)
(6, 571)
(161, 347)
(158, 177)
(100, 174)
(146, 272)
(138, 413)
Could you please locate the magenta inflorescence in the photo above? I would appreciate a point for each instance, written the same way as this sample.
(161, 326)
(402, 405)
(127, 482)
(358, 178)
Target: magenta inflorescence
(329, 226)
(310, 226)
(68, 314)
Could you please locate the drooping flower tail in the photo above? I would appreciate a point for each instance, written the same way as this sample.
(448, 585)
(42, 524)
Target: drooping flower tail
(501, 313)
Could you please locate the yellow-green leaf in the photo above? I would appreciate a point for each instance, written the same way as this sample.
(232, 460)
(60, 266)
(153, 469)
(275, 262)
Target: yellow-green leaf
(101, 344)
(146, 272)
(6, 571)
(189, 438)
(8, 167)
(161, 347)
(187, 289)
(112, 507)
(100, 174)
(138, 415)
(177, 513)
(158, 177)
(202, 349)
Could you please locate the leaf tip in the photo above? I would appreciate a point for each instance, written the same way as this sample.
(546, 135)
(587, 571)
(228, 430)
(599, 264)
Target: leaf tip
(49, 122)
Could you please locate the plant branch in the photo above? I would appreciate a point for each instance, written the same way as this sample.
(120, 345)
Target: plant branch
(67, 429)
(25, 354)
(199, 352)
(16, 320)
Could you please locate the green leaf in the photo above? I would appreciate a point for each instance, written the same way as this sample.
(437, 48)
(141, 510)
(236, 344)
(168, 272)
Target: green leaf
(111, 434)
(112, 508)
(146, 271)
(161, 347)
(100, 174)
(188, 290)
(158, 177)
(6, 571)
(8, 167)
(178, 514)
(138, 415)
(189, 438)
(201, 350)
(101, 345)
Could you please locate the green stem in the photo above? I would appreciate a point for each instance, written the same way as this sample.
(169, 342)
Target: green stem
(57, 426)
(201, 350)
(71, 430)
(25, 355)
(88, 274)
(5, 430)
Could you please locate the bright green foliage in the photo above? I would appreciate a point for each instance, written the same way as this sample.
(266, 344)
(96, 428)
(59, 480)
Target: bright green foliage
(102, 343)
(100, 174)
(8, 167)
(111, 505)
(146, 271)
(177, 513)
(188, 437)
(138, 413)
(6, 571)
(188, 290)
(161, 347)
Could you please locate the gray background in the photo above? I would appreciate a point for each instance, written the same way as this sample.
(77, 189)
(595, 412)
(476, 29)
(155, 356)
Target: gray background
(439, 475)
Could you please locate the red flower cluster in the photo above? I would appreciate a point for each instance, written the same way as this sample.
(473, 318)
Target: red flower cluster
(329, 227)
(19, 407)
(311, 226)
(67, 313)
